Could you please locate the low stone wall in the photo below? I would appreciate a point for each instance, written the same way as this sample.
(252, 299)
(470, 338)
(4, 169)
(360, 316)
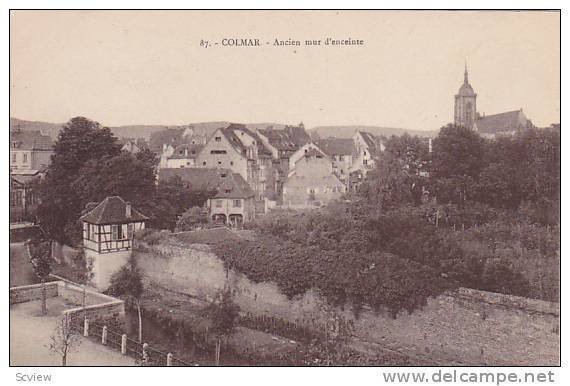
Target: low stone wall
(94, 305)
(465, 326)
(27, 293)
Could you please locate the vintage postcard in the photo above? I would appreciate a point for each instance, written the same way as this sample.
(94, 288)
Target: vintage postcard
(286, 188)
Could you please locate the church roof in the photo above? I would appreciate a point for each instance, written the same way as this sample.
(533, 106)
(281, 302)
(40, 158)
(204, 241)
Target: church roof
(503, 122)
(466, 90)
(112, 210)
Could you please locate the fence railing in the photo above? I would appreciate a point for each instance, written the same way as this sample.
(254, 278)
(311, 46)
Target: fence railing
(141, 352)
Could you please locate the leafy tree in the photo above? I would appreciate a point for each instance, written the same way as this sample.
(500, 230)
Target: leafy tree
(148, 157)
(457, 161)
(174, 197)
(127, 283)
(224, 314)
(122, 175)
(79, 142)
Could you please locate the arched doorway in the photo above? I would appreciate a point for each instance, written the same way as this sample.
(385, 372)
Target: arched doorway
(236, 220)
(219, 218)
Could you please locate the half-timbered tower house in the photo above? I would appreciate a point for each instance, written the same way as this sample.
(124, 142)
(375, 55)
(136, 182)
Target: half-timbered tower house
(108, 230)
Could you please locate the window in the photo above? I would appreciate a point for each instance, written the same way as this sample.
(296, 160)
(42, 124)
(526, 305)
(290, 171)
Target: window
(219, 203)
(219, 162)
(88, 235)
(218, 139)
(228, 191)
(237, 203)
(365, 162)
(218, 152)
(204, 163)
(14, 157)
(25, 158)
(232, 163)
(130, 228)
(16, 198)
(117, 232)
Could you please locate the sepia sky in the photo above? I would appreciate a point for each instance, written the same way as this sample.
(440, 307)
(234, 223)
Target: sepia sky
(147, 67)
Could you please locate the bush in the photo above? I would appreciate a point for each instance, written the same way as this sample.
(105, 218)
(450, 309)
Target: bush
(193, 218)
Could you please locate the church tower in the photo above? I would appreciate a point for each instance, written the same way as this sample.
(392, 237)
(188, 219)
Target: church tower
(465, 104)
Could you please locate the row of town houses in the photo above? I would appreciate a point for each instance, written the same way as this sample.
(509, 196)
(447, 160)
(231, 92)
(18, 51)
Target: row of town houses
(254, 170)
(251, 170)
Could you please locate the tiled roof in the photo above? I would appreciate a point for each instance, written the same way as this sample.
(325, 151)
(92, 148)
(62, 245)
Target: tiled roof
(290, 138)
(372, 141)
(336, 146)
(509, 121)
(166, 136)
(312, 152)
(112, 210)
(30, 140)
(234, 186)
(234, 139)
(186, 151)
(220, 180)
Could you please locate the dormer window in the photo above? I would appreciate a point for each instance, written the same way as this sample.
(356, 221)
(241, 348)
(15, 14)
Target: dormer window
(218, 139)
(228, 190)
(224, 174)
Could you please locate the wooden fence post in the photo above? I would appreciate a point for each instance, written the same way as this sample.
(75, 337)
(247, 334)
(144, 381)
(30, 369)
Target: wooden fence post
(169, 359)
(145, 352)
(124, 344)
(86, 327)
(104, 335)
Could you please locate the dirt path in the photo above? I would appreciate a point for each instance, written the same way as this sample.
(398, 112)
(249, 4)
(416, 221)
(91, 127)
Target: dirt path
(30, 335)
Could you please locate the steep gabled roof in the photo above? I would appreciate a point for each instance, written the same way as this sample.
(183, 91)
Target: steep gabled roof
(226, 183)
(234, 186)
(30, 140)
(508, 121)
(112, 210)
(196, 178)
(373, 142)
(166, 136)
(241, 148)
(186, 151)
(291, 138)
(336, 146)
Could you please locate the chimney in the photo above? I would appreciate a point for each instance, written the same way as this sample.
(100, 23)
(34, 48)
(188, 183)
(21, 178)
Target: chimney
(128, 210)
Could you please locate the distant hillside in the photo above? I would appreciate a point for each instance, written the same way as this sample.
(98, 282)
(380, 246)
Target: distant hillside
(131, 131)
(348, 131)
(145, 131)
(51, 129)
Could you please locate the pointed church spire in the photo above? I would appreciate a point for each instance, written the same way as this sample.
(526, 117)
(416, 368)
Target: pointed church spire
(466, 74)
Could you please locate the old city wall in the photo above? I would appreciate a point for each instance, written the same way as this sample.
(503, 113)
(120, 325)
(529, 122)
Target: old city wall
(460, 327)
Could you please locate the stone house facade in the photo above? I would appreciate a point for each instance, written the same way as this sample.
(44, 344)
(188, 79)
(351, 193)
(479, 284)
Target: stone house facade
(311, 181)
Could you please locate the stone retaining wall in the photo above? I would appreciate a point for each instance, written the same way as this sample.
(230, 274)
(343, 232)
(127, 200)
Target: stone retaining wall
(26, 293)
(465, 326)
